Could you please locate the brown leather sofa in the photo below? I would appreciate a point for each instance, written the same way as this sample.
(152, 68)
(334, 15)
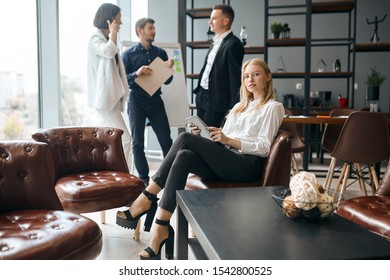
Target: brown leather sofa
(33, 224)
(371, 212)
(276, 171)
(91, 173)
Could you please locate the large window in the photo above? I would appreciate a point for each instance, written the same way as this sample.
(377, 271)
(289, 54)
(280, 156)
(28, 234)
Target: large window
(18, 70)
(19, 99)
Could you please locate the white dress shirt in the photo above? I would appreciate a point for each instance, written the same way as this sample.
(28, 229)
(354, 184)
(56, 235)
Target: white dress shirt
(217, 40)
(255, 128)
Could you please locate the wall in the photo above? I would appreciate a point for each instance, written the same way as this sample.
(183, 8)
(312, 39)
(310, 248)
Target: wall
(165, 14)
(250, 13)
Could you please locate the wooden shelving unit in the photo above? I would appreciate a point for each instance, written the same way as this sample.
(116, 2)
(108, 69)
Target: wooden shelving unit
(370, 47)
(286, 42)
(199, 13)
(308, 11)
(332, 7)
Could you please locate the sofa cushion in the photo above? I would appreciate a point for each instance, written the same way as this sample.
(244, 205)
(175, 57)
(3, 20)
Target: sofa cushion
(96, 191)
(48, 235)
(371, 212)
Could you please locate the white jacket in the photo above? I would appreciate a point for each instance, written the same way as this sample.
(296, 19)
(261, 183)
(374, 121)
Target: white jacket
(107, 82)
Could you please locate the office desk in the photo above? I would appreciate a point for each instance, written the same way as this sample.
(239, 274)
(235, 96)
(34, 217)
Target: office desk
(315, 120)
(246, 223)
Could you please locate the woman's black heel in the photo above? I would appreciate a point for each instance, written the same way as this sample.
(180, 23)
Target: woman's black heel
(169, 244)
(131, 222)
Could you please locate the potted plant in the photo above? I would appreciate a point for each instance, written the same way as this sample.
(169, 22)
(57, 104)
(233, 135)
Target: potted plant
(276, 28)
(374, 81)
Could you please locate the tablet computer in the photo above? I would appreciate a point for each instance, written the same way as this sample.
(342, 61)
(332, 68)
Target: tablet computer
(195, 120)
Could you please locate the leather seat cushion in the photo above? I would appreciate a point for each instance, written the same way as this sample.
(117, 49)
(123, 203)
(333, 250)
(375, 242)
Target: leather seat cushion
(371, 212)
(96, 191)
(48, 234)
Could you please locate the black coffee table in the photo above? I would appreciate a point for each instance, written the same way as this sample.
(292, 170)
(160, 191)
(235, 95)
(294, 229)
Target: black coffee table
(246, 223)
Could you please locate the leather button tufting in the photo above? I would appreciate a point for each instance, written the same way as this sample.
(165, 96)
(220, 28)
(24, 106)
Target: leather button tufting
(4, 248)
(4, 155)
(33, 236)
(110, 132)
(105, 148)
(22, 174)
(58, 227)
(28, 149)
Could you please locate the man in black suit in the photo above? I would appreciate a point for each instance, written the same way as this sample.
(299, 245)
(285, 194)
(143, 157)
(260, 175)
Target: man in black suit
(220, 78)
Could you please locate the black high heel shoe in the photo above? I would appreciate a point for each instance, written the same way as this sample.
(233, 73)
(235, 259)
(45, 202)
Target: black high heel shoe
(169, 244)
(131, 222)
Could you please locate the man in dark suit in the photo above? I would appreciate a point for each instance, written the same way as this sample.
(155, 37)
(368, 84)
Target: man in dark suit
(220, 78)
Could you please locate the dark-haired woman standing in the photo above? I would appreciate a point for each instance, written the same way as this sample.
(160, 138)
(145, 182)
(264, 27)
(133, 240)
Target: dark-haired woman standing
(108, 89)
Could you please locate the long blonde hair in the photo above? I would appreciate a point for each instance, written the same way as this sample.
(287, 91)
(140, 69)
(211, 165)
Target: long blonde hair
(247, 96)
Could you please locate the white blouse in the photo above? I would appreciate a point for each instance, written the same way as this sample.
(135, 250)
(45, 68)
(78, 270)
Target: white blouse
(255, 128)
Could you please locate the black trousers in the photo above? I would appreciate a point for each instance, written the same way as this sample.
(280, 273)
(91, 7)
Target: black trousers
(140, 107)
(209, 160)
(203, 111)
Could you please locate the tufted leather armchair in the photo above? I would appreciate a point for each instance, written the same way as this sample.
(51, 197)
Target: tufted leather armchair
(33, 224)
(90, 169)
(276, 170)
(371, 212)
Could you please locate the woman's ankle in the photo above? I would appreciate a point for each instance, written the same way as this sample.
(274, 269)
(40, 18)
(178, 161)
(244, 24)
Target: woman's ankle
(141, 204)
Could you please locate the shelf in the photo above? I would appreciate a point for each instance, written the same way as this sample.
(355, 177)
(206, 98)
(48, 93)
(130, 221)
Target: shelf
(199, 12)
(288, 75)
(332, 7)
(370, 47)
(199, 44)
(286, 42)
(253, 49)
(192, 76)
(331, 74)
(314, 75)
(206, 45)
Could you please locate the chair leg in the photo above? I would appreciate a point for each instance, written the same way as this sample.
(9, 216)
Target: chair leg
(294, 165)
(339, 181)
(375, 179)
(103, 217)
(329, 175)
(345, 180)
(137, 231)
(359, 173)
